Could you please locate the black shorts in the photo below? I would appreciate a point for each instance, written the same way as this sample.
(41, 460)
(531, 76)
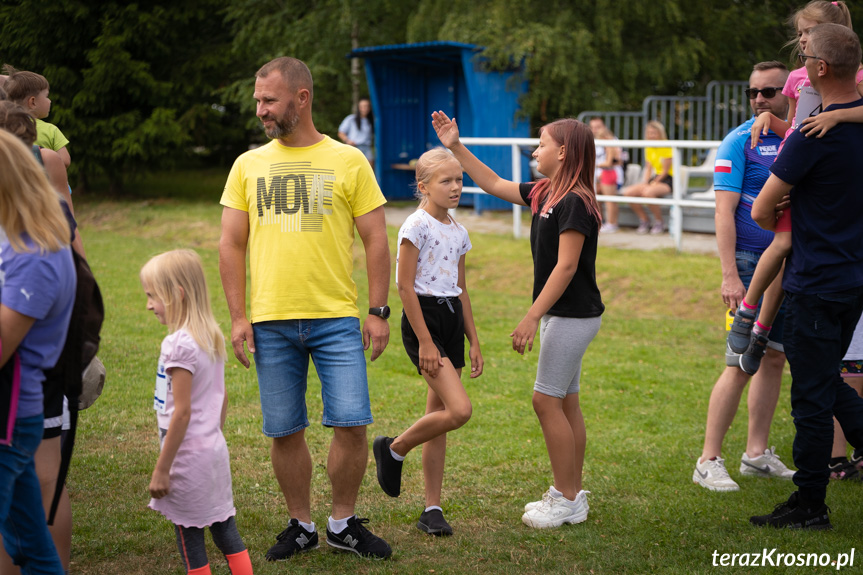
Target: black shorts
(663, 180)
(445, 322)
(52, 391)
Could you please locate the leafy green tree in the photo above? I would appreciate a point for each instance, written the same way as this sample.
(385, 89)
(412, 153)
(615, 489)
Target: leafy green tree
(610, 55)
(132, 84)
(319, 32)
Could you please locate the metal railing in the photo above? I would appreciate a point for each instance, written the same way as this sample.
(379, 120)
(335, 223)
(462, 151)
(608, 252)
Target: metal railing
(676, 202)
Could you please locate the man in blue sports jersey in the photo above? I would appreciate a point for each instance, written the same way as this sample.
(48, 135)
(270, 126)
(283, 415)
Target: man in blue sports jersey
(739, 173)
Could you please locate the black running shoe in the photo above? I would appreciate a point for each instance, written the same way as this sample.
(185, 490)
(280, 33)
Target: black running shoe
(433, 523)
(389, 470)
(741, 329)
(357, 539)
(857, 458)
(793, 515)
(750, 360)
(291, 541)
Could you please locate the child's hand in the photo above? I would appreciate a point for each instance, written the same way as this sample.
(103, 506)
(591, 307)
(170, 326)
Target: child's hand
(523, 335)
(760, 127)
(160, 484)
(430, 359)
(818, 125)
(476, 362)
(446, 129)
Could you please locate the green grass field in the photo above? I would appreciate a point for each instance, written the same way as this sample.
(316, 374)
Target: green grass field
(645, 386)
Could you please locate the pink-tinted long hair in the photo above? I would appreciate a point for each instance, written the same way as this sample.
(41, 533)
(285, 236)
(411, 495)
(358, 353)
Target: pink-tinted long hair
(576, 171)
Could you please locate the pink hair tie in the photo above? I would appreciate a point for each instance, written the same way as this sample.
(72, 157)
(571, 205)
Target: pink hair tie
(835, 3)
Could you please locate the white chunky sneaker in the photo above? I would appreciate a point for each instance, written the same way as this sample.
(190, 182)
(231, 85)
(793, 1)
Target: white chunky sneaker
(711, 474)
(555, 511)
(767, 464)
(535, 504)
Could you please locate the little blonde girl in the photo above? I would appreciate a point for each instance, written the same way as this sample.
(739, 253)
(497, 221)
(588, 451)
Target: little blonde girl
(191, 484)
(437, 317)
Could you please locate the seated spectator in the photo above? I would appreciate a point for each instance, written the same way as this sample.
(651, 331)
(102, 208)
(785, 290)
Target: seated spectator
(609, 178)
(656, 180)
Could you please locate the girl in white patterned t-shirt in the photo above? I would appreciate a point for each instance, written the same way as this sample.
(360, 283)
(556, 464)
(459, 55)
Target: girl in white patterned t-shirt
(437, 316)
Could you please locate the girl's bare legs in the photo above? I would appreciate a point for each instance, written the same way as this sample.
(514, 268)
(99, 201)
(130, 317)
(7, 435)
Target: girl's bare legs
(456, 411)
(565, 438)
(656, 190)
(767, 278)
(434, 455)
(612, 209)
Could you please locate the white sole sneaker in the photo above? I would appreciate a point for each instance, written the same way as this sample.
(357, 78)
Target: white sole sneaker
(555, 511)
(767, 464)
(711, 474)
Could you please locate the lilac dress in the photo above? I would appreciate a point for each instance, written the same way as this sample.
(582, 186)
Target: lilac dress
(200, 492)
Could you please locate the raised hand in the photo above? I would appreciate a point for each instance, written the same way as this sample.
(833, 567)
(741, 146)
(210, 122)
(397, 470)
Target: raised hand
(446, 129)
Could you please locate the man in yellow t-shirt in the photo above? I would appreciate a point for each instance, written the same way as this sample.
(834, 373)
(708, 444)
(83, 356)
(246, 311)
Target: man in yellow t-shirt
(294, 203)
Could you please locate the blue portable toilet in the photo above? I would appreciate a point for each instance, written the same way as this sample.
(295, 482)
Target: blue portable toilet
(407, 82)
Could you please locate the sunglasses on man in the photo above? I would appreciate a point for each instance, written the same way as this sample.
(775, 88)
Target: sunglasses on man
(752, 93)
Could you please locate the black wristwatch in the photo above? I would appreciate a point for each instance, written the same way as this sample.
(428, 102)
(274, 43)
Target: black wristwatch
(381, 312)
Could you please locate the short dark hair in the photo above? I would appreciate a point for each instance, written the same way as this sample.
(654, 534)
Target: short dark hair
(769, 65)
(294, 72)
(837, 45)
(21, 84)
(15, 119)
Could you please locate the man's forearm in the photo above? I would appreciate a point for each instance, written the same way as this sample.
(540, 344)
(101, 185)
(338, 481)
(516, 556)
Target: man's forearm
(378, 268)
(232, 268)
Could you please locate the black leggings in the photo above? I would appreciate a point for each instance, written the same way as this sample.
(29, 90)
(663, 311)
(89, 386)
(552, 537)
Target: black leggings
(190, 542)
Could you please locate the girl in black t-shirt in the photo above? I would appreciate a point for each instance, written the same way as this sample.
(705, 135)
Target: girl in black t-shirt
(566, 302)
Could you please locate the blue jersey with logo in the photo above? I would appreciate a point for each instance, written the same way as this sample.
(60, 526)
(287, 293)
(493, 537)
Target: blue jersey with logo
(743, 170)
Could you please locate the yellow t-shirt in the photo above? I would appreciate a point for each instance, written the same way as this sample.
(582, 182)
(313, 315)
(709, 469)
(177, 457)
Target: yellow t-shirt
(301, 204)
(654, 157)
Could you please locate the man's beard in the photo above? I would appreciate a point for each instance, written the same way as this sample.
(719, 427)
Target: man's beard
(284, 126)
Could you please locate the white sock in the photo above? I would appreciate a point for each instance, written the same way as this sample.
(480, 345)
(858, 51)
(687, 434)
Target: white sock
(307, 526)
(433, 507)
(337, 525)
(553, 491)
(396, 456)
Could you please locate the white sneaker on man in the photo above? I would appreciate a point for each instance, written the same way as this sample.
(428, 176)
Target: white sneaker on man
(767, 464)
(554, 511)
(711, 474)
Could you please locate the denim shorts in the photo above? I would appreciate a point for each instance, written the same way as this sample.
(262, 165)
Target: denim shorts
(282, 351)
(746, 263)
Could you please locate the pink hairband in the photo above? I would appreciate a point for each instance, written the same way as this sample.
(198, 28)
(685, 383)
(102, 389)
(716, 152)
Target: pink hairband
(835, 3)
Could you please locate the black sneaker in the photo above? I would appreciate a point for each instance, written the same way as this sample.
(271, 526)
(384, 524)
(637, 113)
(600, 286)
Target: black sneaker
(741, 329)
(793, 515)
(357, 539)
(433, 523)
(389, 470)
(291, 541)
(844, 470)
(857, 458)
(750, 360)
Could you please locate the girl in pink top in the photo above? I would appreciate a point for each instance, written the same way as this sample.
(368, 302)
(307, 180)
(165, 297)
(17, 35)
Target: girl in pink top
(191, 484)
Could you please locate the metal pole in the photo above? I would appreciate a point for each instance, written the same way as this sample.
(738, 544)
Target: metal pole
(676, 225)
(516, 177)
